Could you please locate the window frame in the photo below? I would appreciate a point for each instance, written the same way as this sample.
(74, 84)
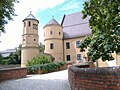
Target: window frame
(35, 26)
(51, 32)
(68, 58)
(29, 23)
(24, 24)
(59, 33)
(79, 57)
(51, 45)
(67, 45)
(77, 44)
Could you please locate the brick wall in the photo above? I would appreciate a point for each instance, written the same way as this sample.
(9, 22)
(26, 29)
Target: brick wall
(12, 73)
(107, 78)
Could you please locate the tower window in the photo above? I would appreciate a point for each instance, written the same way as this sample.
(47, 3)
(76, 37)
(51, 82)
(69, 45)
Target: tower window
(51, 32)
(77, 44)
(34, 39)
(51, 46)
(23, 39)
(24, 24)
(29, 23)
(68, 57)
(67, 45)
(35, 26)
(59, 33)
(78, 56)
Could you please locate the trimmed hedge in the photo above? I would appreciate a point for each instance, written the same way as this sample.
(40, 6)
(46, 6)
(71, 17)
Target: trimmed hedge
(46, 68)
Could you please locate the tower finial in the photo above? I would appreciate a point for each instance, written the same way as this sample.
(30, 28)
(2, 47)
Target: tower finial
(30, 11)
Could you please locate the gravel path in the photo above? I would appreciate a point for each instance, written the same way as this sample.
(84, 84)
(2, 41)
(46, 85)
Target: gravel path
(51, 81)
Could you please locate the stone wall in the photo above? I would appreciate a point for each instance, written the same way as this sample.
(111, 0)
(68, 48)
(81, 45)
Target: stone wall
(106, 78)
(12, 73)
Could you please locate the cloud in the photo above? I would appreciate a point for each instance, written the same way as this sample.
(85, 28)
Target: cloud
(70, 6)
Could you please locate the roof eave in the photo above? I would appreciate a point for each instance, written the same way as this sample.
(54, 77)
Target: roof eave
(52, 25)
(30, 19)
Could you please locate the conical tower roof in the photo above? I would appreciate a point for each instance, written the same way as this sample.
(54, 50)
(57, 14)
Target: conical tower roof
(30, 17)
(52, 22)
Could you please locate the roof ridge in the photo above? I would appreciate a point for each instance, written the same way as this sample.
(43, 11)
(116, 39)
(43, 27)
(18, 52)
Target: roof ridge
(77, 24)
(73, 13)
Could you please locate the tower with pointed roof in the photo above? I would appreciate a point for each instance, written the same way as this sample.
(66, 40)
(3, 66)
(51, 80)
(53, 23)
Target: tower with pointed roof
(53, 38)
(29, 39)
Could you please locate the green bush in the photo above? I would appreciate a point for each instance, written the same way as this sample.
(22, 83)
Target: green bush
(41, 59)
(49, 67)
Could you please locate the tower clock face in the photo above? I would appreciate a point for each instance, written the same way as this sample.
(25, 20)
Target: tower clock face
(35, 26)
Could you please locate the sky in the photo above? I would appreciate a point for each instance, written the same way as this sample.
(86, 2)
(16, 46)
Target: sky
(43, 10)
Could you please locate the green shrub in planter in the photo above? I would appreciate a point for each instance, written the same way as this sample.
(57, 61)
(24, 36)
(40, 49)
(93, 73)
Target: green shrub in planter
(49, 67)
(41, 59)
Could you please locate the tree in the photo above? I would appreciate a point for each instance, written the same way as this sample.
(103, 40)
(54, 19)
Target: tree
(1, 58)
(104, 20)
(13, 58)
(41, 48)
(6, 12)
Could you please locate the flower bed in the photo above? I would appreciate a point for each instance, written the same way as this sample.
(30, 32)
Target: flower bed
(84, 78)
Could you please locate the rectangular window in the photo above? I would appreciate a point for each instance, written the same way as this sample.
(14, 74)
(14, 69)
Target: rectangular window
(24, 24)
(50, 32)
(59, 33)
(77, 44)
(67, 45)
(29, 23)
(51, 46)
(68, 57)
(78, 56)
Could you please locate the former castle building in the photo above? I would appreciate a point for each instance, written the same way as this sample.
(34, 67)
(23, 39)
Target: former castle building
(62, 41)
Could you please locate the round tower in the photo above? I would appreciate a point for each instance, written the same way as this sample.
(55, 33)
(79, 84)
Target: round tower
(53, 38)
(29, 39)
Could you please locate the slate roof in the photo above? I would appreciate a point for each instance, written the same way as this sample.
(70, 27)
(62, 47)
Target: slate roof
(74, 26)
(52, 22)
(30, 17)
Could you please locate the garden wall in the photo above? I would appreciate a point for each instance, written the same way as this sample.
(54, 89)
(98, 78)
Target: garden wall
(12, 73)
(106, 78)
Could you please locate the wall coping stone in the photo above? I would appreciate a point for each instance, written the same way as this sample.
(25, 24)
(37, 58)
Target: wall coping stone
(80, 69)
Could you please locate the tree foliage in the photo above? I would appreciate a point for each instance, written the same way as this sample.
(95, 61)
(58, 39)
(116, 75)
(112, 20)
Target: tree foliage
(13, 58)
(41, 59)
(104, 23)
(6, 12)
(41, 48)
